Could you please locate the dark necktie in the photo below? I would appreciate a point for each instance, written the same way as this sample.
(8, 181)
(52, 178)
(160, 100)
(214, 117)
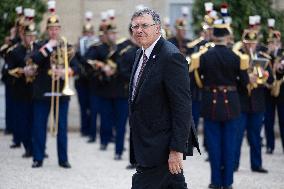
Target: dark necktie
(145, 59)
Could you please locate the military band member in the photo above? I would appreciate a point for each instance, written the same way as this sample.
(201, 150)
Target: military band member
(23, 70)
(92, 71)
(274, 95)
(50, 71)
(7, 81)
(217, 69)
(15, 38)
(82, 80)
(253, 99)
(205, 39)
(109, 87)
(180, 40)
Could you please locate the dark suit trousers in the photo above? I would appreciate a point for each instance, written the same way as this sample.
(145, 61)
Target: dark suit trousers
(157, 178)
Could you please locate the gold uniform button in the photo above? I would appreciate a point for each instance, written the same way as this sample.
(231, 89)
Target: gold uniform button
(214, 90)
(214, 101)
(226, 101)
(225, 90)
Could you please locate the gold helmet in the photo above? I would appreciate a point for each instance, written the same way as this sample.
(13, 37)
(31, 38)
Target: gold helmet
(30, 29)
(53, 19)
(250, 36)
(210, 17)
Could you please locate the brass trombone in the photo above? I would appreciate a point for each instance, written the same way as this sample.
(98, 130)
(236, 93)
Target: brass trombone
(59, 60)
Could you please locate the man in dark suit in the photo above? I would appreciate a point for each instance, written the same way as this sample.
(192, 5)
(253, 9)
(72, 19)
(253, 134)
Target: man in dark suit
(160, 107)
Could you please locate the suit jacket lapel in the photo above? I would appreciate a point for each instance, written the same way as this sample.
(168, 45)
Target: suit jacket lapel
(134, 68)
(152, 59)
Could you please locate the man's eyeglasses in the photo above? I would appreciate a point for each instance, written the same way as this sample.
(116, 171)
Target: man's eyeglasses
(143, 26)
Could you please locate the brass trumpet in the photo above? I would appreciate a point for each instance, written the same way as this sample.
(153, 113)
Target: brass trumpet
(58, 61)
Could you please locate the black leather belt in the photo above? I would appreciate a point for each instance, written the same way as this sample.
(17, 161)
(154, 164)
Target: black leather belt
(220, 88)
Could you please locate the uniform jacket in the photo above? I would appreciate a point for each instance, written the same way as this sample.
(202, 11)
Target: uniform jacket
(42, 82)
(114, 86)
(255, 102)
(21, 90)
(220, 68)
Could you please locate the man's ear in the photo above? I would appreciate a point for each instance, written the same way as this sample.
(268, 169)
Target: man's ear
(158, 29)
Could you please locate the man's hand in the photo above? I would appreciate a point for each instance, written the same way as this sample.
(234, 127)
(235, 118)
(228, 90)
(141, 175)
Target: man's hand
(30, 70)
(108, 70)
(175, 162)
(252, 78)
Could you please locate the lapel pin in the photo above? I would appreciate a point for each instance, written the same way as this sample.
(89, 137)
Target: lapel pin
(154, 56)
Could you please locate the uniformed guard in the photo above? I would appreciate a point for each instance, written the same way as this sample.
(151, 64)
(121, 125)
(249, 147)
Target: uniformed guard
(93, 72)
(51, 90)
(23, 70)
(7, 81)
(217, 70)
(253, 99)
(180, 40)
(15, 38)
(110, 87)
(275, 92)
(82, 81)
(205, 39)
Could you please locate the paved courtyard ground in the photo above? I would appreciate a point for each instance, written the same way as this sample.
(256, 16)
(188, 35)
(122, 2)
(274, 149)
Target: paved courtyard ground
(93, 169)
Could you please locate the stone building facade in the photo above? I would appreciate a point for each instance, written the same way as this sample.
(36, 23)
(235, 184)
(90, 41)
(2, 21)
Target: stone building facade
(72, 13)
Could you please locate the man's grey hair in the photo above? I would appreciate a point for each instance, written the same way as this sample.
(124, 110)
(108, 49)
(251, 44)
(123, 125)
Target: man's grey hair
(146, 10)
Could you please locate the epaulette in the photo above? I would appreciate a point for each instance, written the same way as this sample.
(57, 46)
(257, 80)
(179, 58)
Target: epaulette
(244, 59)
(195, 62)
(121, 40)
(124, 50)
(195, 58)
(237, 46)
(12, 47)
(194, 42)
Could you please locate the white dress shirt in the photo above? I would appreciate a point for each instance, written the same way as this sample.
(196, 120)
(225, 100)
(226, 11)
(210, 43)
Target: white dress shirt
(147, 52)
